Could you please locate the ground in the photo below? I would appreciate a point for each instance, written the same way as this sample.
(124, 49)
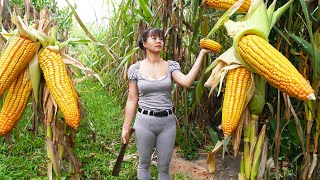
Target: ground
(197, 169)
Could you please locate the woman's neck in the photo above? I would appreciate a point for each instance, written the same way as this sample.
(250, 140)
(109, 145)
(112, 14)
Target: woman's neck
(153, 58)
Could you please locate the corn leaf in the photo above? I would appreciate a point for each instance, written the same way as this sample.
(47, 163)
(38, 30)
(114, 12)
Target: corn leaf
(35, 74)
(315, 59)
(213, 134)
(196, 28)
(211, 161)
(199, 89)
(88, 33)
(279, 12)
(125, 59)
(146, 10)
(307, 48)
(70, 60)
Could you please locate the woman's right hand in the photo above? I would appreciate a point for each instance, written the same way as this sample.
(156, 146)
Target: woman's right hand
(125, 135)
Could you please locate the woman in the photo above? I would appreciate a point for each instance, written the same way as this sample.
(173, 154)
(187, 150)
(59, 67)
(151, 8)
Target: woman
(150, 88)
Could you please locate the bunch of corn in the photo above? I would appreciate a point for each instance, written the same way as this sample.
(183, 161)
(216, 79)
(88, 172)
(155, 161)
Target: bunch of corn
(60, 85)
(226, 4)
(210, 44)
(15, 102)
(15, 59)
(235, 95)
(274, 67)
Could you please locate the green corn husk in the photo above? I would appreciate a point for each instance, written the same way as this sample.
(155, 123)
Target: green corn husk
(242, 175)
(257, 153)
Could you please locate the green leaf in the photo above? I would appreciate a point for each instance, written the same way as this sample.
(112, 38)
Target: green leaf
(295, 159)
(307, 48)
(279, 12)
(146, 10)
(305, 45)
(35, 74)
(213, 134)
(125, 59)
(199, 88)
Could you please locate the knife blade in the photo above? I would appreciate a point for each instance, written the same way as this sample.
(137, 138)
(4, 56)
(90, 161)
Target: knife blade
(117, 166)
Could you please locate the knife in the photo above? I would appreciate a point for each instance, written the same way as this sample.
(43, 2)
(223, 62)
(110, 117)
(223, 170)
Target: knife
(117, 166)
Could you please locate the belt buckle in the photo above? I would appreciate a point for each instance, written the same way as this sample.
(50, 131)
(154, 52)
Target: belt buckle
(160, 113)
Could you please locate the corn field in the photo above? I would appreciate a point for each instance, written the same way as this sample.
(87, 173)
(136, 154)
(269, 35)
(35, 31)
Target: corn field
(257, 96)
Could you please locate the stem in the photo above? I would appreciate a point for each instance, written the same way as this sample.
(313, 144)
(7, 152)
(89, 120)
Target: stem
(186, 114)
(247, 159)
(253, 127)
(246, 148)
(277, 140)
(307, 154)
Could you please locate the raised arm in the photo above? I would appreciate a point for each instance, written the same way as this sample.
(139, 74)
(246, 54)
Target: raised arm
(130, 109)
(187, 80)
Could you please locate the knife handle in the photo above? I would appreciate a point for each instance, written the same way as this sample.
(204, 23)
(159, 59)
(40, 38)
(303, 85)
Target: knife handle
(128, 135)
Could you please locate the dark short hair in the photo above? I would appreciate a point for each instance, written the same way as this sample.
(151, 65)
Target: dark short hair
(147, 33)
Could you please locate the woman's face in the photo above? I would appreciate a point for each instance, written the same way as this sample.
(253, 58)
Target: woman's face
(154, 43)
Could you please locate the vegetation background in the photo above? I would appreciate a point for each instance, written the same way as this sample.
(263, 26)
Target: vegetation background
(110, 48)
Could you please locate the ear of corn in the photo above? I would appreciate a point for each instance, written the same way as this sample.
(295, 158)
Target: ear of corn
(60, 86)
(15, 102)
(274, 67)
(237, 85)
(14, 59)
(210, 44)
(226, 4)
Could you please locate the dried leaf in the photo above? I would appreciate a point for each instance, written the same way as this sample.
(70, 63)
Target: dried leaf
(263, 163)
(49, 170)
(313, 165)
(211, 161)
(236, 135)
(72, 61)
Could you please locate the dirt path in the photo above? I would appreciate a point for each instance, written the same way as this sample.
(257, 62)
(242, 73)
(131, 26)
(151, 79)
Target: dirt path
(197, 169)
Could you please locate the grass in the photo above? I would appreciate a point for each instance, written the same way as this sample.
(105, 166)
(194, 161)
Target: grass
(97, 142)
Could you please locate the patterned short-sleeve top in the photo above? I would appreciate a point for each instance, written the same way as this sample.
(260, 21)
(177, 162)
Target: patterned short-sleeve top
(153, 94)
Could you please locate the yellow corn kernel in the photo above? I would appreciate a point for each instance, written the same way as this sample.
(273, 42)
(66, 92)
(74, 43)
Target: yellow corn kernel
(210, 44)
(274, 67)
(226, 4)
(237, 86)
(60, 86)
(14, 60)
(15, 102)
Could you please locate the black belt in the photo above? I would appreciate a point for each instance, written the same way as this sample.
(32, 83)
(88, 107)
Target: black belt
(156, 113)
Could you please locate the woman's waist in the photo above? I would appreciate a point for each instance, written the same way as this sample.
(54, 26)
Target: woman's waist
(157, 113)
(155, 105)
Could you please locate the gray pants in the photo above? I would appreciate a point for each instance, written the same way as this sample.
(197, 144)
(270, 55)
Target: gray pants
(158, 132)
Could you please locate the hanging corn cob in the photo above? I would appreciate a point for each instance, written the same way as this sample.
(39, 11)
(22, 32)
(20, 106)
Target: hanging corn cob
(60, 85)
(235, 96)
(210, 44)
(258, 56)
(19, 50)
(273, 66)
(15, 58)
(226, 4)
(15, 102)
(252, 50)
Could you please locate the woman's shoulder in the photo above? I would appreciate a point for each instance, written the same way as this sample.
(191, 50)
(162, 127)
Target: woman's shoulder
(171, 62)
(134, 66)
(173, 65)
